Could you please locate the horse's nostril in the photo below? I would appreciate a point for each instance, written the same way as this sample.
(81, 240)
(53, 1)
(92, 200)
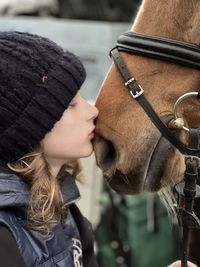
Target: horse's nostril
(107, 154)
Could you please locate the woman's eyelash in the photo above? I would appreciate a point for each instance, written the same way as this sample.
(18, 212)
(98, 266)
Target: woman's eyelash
(72, 104)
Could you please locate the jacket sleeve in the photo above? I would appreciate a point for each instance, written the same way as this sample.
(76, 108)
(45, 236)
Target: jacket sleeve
(87, 237)
(9, 252)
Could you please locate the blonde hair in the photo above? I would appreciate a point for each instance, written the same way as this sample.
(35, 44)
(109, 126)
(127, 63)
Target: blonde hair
(46, 206)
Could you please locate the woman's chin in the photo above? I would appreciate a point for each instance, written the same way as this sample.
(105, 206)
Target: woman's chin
(87, 152)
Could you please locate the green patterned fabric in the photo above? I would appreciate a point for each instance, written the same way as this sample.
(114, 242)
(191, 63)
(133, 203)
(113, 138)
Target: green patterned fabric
(135, 231)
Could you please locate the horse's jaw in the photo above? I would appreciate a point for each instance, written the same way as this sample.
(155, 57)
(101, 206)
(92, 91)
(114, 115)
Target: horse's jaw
(160, 166)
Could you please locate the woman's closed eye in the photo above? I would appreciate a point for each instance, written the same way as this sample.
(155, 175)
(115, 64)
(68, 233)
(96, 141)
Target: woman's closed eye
(72, 104)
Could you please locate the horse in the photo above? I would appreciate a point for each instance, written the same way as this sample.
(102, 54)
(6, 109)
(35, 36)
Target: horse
(132, 153)
(129, 149)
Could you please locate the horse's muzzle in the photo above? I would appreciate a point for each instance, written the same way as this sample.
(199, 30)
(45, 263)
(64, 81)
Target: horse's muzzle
(105, 153)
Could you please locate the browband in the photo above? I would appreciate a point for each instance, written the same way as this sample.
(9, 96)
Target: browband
(161, 48)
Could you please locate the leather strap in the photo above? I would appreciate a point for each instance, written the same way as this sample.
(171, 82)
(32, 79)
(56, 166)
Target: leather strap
(189, 219)
(163, 48)
(135, 89)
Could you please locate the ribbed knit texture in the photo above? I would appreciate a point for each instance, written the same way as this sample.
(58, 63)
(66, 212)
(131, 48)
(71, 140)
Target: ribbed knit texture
(38, 79)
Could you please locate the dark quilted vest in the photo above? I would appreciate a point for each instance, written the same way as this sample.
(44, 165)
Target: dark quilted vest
(63, 247)
(56, 249)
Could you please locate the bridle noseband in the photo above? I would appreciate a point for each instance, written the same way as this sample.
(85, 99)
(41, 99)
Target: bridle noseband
(185, 54)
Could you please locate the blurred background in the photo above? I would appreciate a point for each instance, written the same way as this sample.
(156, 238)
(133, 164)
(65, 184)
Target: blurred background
(129, 229)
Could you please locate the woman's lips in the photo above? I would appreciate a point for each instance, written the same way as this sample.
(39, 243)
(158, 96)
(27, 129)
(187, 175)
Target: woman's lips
(91, 134)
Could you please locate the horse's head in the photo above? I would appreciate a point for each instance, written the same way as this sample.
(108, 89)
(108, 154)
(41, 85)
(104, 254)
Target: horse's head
(129, 148)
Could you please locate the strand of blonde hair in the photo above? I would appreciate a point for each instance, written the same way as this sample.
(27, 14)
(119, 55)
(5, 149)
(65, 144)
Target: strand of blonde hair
(46, 205)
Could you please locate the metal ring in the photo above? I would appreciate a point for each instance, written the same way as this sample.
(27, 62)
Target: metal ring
(178, 101)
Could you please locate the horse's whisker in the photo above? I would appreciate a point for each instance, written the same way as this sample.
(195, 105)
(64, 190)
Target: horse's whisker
(108, 179)
(124, 177)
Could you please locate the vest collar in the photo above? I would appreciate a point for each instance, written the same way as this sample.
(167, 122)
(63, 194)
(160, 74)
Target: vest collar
(14, 192)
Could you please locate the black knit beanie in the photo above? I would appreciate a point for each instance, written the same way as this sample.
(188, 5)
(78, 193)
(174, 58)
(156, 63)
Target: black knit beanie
(38, 79)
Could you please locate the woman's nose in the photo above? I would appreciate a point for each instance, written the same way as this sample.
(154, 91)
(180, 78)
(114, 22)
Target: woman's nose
(93, 112)
(96, 112)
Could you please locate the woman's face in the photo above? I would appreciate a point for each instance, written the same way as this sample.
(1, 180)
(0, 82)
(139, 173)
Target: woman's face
(71, 136)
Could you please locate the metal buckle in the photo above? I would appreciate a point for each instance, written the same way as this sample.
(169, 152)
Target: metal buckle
(193, 158)
(137, 93)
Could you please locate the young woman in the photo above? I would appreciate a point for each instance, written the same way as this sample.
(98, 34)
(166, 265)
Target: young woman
(45, 126)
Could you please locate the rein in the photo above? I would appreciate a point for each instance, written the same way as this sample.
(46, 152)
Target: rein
(185, 54)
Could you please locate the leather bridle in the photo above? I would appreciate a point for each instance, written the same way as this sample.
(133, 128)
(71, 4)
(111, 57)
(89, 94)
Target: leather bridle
(177, 52)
